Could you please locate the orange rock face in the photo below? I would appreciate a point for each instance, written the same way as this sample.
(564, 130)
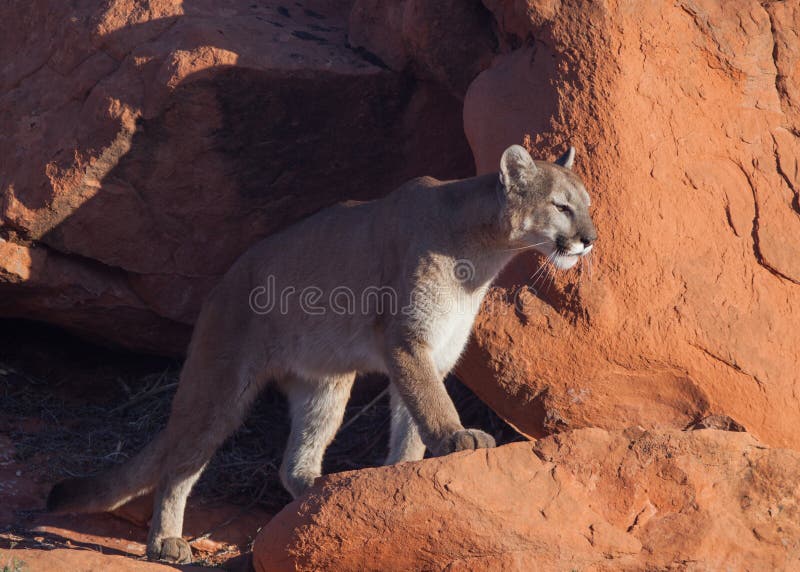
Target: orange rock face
(61, 560)
(686, 120)
(147, 144)
(587, 500)
(445, 41)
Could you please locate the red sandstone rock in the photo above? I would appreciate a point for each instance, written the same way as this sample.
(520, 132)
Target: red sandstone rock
(146, 144)
(62, 560)
(446, 41)
(685, 117)
(586, 500)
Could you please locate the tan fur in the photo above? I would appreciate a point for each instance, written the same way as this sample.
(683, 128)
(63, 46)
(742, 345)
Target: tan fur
(430, 243)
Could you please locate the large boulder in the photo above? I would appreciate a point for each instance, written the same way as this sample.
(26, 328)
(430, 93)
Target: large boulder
(586, 500)
(686, 118)
(147, 144)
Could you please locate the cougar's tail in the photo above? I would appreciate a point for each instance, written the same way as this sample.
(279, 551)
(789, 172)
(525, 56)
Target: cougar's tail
(113, 488)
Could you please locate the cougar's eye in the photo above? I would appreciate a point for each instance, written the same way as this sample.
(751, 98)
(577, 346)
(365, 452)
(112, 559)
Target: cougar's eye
(563, 208)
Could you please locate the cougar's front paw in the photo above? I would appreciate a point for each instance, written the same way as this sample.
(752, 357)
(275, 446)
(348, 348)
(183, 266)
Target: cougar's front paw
(466, 440)
(172, 550)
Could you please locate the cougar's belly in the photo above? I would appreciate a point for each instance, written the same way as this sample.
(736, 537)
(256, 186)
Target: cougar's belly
(360, 351)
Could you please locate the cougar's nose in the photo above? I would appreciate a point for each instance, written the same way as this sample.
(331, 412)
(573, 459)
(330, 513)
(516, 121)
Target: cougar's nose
(588, 239)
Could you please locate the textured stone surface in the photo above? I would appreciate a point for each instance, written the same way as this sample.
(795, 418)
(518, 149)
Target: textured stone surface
(685, 117)
(446, 41)
(147, 144)
(587, 500)
(61, 560)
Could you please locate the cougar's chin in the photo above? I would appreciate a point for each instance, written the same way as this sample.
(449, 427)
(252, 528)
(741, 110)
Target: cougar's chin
(565, 261)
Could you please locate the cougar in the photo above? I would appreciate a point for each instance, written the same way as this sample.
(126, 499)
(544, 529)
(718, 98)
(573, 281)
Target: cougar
(390, 286)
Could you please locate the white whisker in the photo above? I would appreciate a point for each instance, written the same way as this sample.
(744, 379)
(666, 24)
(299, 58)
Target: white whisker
(552, 273)
(525, 247)
(546, 266)
(541, 267)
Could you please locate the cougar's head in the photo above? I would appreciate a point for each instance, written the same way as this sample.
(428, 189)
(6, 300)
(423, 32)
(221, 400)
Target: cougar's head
(546, 206)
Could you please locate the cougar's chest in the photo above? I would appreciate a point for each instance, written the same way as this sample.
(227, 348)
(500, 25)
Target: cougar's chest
(450, 330)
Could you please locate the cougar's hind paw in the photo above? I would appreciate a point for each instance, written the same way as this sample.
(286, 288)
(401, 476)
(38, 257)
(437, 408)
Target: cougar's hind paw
(171, 550)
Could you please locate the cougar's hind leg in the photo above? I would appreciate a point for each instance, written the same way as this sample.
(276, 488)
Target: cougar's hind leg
(405, 443)
(206, 410)
(316, 408)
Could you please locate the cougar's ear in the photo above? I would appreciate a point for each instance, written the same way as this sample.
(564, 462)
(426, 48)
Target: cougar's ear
(516, 166)
(567, 159)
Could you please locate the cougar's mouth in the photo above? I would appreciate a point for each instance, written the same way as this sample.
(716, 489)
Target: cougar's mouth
(567, 252)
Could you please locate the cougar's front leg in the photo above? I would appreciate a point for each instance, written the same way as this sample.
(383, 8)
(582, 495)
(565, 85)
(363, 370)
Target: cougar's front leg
(418, 382)
(405, 444)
